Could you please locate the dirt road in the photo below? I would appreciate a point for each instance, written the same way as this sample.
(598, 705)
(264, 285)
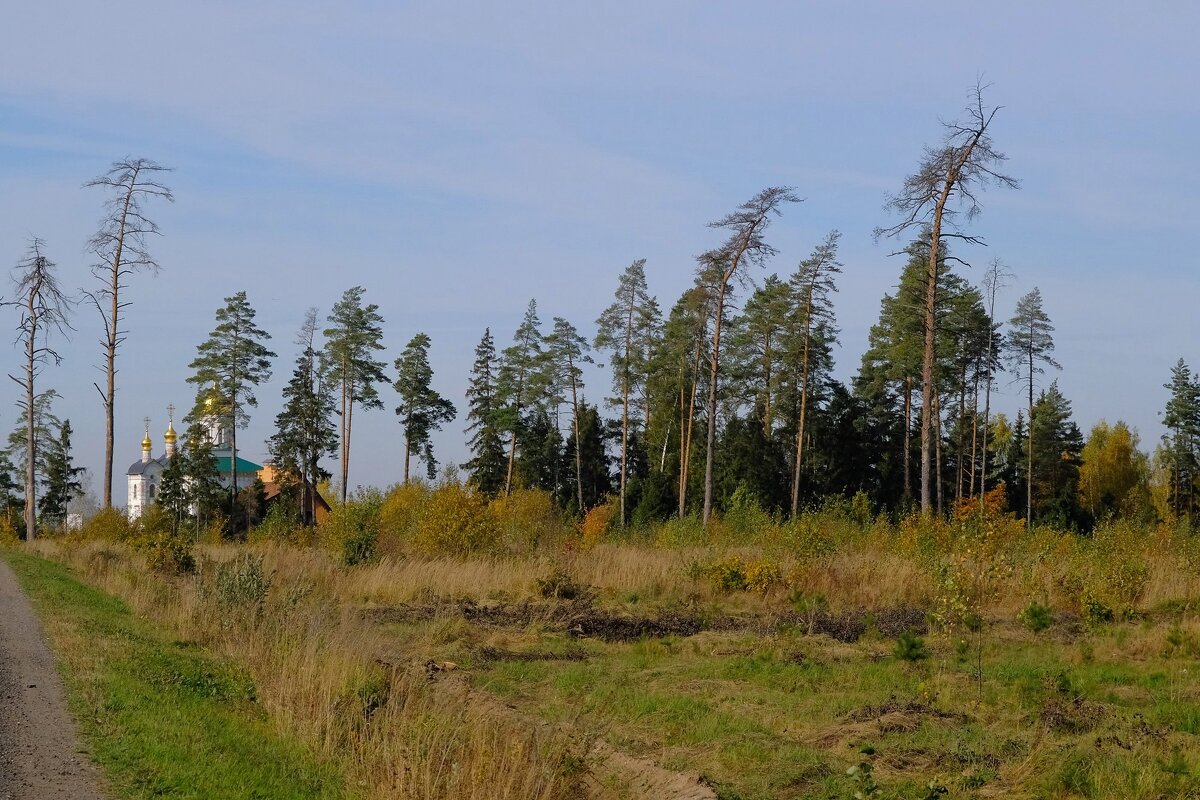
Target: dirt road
(39, 747)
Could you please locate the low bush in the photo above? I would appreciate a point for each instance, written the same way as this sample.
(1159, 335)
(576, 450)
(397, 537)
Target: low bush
(455, 521)
(352, 529)
(527, 519)
(596, 523)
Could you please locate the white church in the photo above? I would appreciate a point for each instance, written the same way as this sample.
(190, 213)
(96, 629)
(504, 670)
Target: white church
(145, 475)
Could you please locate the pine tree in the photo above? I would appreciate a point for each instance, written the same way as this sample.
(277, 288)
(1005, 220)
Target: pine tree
(355, 332)
(1030, 345)
(486, 467)
(812, 285)
(42, 310)
(565, 351)
(521, 384)
(626, 329)
(304, 429)
(946, 181)
(745, 246)
(200, 476)
(120, 246)
(422, 410)
(233, 360)
(757, 348)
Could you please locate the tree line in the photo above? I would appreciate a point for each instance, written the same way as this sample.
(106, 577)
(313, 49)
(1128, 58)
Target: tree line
(726, 397)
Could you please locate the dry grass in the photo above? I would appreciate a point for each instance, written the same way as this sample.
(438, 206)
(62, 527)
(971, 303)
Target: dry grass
(318, 674)
(359, 694)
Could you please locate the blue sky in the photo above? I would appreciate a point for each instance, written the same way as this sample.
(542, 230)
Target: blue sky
(457, 159)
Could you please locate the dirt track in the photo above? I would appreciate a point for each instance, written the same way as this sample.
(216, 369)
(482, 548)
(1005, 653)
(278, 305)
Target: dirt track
(39, 748)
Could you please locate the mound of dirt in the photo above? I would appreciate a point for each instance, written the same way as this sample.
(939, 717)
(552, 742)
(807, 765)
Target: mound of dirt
(1071, 716)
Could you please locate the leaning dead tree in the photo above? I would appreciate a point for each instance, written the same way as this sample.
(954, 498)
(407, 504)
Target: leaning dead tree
(745, 245)
(43, 310)
(120, 246)
(941, 195)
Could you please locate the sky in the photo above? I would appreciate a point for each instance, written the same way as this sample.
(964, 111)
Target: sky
(457, 159)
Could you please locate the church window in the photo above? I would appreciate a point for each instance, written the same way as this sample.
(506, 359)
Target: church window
(135, 488)
(152, 491)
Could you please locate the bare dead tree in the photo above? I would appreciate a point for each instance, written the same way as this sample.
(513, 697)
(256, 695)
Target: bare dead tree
(43, 310)
(996, 278)
(120, 244)
(745, 245)
(943, 194)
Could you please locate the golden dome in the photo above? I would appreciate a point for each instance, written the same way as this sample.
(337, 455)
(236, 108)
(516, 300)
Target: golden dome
(170, 436)
(147, 444)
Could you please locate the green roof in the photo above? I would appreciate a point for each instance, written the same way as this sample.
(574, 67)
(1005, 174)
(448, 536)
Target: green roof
(244, 467)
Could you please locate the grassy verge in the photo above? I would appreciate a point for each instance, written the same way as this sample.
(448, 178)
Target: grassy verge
(162, 718)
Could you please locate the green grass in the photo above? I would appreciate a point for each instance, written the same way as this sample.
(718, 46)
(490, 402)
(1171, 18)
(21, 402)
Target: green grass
(163, 718)
(782, 717)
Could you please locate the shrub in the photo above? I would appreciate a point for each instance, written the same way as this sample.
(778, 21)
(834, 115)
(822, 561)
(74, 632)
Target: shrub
(108, 525)
(242, 586)
(744, 516)
(398, 516)
(526, 519)
(728, 575)
(281, 524)
(597, 522)
(1036, 617)
(910, 647)
(352, 529)
(560, 585)
(681, 532)
(8, 531)
(167, 548)
(762, 576)
(455, 522)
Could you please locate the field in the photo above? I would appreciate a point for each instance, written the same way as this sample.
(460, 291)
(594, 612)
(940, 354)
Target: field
(834, 656)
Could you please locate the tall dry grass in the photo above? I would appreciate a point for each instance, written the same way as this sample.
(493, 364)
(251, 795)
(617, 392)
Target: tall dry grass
(322, 675)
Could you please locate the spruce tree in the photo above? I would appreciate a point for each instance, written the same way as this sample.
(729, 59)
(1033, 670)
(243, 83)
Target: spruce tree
(1057, 448)
(355, 333)
(1182, 421)
(422, 410)
(62, 478)
(486, 467)
(304, 429)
